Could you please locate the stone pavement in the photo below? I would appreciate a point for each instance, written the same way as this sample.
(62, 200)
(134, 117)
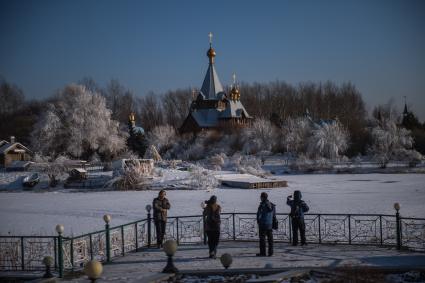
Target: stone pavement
(139, 266)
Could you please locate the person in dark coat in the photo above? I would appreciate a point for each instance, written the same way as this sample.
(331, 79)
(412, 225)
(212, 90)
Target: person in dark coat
(265, 213)
(298, 208)
(212, 224)
(160, 207)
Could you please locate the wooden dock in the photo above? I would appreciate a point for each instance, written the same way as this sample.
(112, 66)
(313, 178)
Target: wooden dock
(247, 181)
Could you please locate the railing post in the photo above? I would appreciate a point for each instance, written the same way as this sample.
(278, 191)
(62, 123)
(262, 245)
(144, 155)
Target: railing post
(55, 252)
(22, 254)
(349, 229)
(290, 228)
(148, 208)
(177, 226)
(60, 256)
(72, 253)
(59, 230)
(234, 227)
(320, 231)
(122, 240)
(136, 245)
(203, 226)
(398, 227)
(91, 246)
(380, 228)
(107, 219)
(108, 243)
(149, 229)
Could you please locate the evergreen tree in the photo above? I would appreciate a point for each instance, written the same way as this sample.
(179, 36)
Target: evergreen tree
(136, 140)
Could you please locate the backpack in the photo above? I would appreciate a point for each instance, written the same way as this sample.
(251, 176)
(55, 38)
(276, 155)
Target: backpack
(213, 218)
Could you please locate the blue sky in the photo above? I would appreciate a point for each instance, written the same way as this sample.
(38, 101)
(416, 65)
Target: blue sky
(160, 45)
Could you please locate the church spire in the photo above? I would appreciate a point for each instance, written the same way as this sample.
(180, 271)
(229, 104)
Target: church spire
(211, 86)
(405, 112)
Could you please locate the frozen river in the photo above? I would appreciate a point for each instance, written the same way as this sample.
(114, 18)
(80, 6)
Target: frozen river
(28, 213)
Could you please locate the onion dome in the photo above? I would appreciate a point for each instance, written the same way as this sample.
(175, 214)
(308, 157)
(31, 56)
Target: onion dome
(132, 117)
(211, 54)
(234, 93)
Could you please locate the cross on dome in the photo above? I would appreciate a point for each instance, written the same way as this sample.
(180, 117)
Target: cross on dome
(210, 35)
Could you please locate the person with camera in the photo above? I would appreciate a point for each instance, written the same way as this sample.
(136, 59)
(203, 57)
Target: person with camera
(212, 222)
(266, 215)
(298, 208)
(160, 207)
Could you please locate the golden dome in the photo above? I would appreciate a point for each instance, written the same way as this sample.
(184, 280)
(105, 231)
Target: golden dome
(211, 54)
(234, 93)
(132, 117)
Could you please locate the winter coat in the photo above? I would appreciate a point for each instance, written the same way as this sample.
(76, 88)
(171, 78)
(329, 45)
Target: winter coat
(298, 206)
(212, 217)
(160, 209)
(266, 211)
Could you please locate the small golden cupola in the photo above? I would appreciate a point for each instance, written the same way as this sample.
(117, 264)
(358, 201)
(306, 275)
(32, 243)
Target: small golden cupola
(132, 119)
(234, 92)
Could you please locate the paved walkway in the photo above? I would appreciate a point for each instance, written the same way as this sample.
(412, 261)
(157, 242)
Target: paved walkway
(135, 267)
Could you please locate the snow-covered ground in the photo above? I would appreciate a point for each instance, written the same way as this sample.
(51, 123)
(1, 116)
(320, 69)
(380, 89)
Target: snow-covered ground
(27, 213)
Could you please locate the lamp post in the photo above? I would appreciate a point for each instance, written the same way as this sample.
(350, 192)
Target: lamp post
(93, 269)
(170, 248)
(59, 230)
(226, 260)
(148, 210)
(107, 218)
(398, 226)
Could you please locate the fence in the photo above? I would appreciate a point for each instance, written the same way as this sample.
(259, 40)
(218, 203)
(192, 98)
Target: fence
(27, 253)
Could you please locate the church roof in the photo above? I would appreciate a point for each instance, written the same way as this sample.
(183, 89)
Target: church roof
(206, 118)
(234, 110)
(211, 86)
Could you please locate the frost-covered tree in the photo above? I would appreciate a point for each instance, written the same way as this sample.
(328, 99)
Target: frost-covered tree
(295, 133)
(328, 140)
(260, 136)
(52, 167)
(78, 124)
(162, 137)
(389, 141)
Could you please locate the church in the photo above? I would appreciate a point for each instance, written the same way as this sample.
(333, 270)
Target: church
(212, 107)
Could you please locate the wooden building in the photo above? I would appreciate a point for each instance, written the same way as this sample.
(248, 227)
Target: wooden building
(214, 108)
(13, 151)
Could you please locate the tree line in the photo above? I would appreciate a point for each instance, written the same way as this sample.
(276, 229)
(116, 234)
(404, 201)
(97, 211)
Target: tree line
(275, 101)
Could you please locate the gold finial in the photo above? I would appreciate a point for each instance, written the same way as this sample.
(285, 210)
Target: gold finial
(234, 93)
(132, 117)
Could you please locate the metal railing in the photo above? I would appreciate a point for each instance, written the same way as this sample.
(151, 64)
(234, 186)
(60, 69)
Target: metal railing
(27, 252)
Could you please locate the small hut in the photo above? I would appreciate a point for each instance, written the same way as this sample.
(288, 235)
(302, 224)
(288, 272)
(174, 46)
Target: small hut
(13, 151)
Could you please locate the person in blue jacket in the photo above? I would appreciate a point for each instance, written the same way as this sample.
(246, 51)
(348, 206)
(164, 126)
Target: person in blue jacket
(265, 213)
(298, 208)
